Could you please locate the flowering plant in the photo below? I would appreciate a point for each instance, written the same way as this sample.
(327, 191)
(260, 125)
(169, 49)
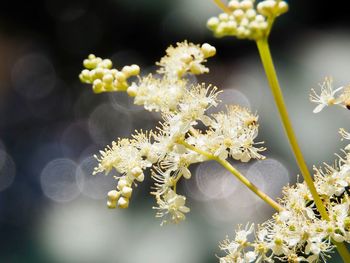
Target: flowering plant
(311, 219)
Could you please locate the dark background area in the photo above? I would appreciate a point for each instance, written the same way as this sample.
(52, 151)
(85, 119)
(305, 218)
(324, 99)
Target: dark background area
(54, 37)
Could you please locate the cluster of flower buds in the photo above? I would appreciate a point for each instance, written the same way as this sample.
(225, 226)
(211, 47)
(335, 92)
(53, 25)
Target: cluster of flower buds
(103, 78)
(245, 20)
(121, 196)
(272, 8)
(185, 58)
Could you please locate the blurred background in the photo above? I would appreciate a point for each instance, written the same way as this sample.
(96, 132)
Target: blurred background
(53, 210)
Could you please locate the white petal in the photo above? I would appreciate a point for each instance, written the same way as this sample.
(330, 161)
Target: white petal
(319, 108)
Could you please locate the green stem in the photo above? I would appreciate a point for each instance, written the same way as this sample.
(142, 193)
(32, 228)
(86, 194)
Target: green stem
(342, 250)
(222, 6)
(237, 174)
(265, 55)
(270, 71)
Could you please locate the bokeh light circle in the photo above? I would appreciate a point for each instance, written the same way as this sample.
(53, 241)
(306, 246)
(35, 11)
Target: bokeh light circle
(272, 174)
(107, 124)
(212, 181)
(58, 180)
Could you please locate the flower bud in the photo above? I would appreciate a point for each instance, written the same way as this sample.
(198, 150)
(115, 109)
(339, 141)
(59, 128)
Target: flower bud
(127, 191)
(113, 195)
(111, 204)
(208, 50)
(123, 202)
(213, 23)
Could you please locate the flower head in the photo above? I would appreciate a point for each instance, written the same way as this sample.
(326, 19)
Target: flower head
(103, 78)
(245, 20)
(171, 207)
(327, 96)
(185, 58)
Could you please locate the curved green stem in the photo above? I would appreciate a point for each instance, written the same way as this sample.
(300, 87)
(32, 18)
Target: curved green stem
(237, 174)
(342, 250)
(271, 75)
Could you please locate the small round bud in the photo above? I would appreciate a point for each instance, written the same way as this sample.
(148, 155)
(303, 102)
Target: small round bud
(238, 14)
(91, 56)
(264, 25)
(259, 18)
(254, 25)
(123, 202)
(120, 76)
(136, 171)
(98, 86)
(87, 63)
(106, 63)
(113, 195)
(244, 22)
(240, 31)
(85, 76)
(186, 174)
(246, 4)
(213, 23)
(127, 191)
(250, 14)
(140, 177)
(131, 70)
(108, 78)
(97, 73)
(135, 70)
(223, 17)
(208, 50)
(282, 7)
(220, 30)
(261, 8)
(111, 204)
(132, 90)
(232, 26)
(270, 4)
(233, 5)
(122, 183)
(126, 69)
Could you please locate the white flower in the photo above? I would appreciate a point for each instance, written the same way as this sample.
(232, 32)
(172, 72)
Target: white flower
(172, 207)
(345, 135)
(235, 249)
(158, 93)
(236, 130)
(327, 95)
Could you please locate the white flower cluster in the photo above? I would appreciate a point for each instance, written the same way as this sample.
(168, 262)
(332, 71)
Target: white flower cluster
(329, 96)
(232, 133)
(185, 57)
(298, 234)
(164, 151)
(103, 78)
(245, 20)
(164, 92)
